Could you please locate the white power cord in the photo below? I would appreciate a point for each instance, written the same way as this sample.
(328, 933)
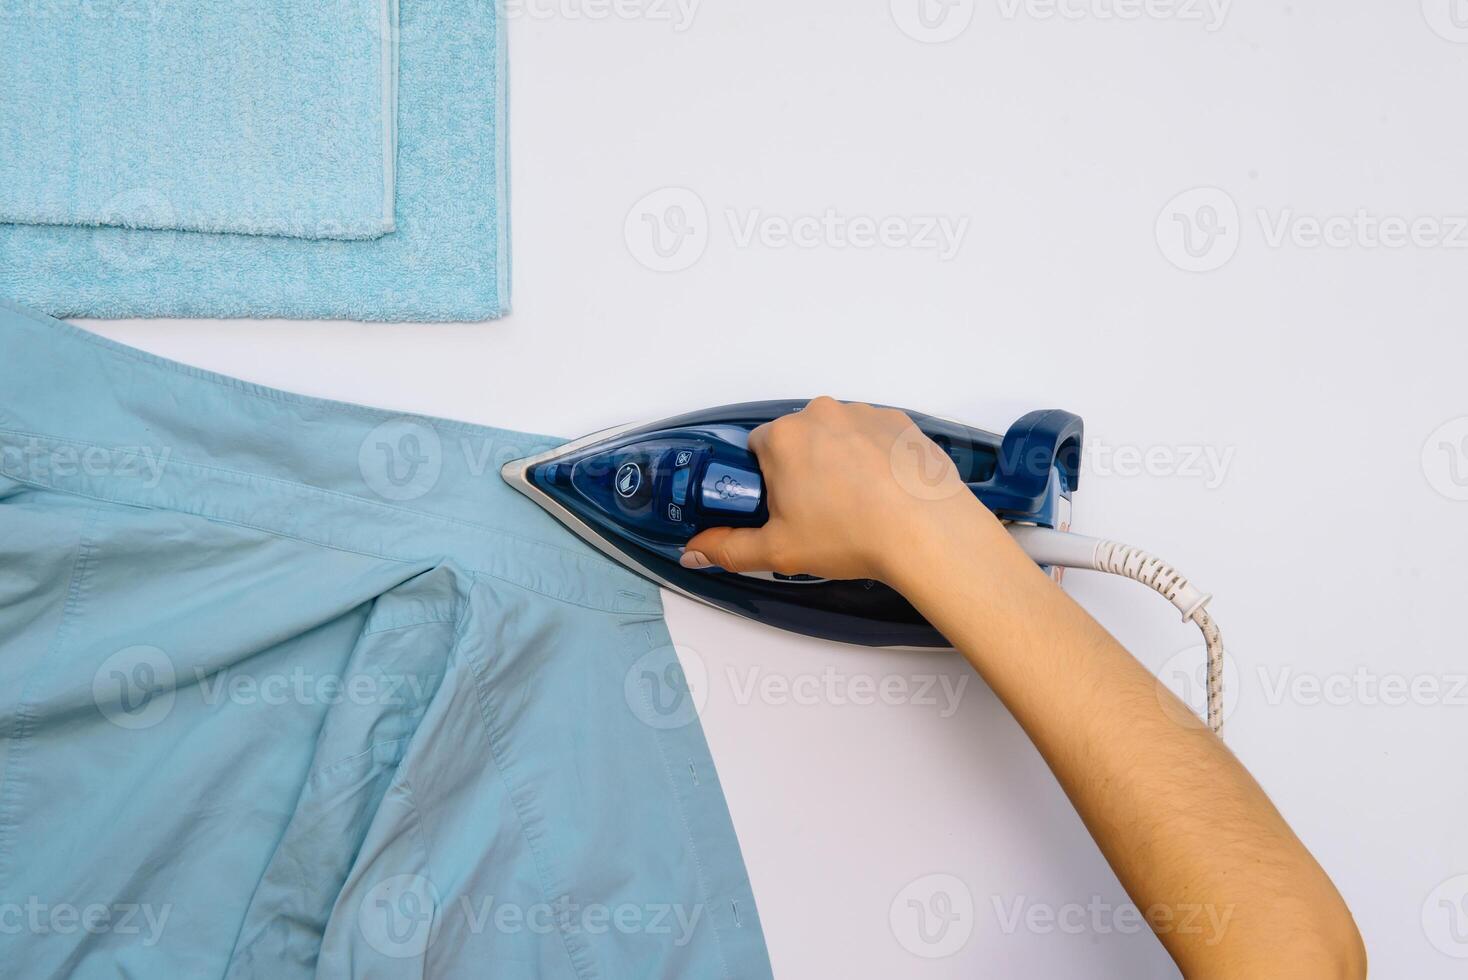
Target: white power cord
(1066, 550)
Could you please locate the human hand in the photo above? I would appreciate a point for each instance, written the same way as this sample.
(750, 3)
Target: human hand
(854, 491)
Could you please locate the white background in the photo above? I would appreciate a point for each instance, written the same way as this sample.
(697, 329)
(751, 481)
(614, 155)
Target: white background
(1331, 538)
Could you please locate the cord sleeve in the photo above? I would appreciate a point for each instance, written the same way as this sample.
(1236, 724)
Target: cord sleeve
(1065, 550)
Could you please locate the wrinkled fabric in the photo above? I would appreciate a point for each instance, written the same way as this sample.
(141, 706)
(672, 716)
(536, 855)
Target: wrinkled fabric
(295, 688)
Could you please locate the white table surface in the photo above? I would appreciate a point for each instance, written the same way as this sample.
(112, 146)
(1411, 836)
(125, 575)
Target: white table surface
(1271, 425)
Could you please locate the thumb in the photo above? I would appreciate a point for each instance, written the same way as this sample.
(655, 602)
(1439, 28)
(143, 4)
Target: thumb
(745, 549)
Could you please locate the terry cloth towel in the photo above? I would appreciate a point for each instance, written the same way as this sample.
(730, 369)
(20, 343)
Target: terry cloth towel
(294, 689)
(257, 116)
(447, 260)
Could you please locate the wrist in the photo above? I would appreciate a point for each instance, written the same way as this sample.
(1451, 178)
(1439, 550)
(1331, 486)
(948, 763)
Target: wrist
(933, 534)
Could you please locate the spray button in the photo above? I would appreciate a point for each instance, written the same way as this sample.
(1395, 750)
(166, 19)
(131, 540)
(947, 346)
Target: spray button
(730, 490)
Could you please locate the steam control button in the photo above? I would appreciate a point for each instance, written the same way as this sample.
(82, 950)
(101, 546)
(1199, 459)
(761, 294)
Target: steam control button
(730, 490)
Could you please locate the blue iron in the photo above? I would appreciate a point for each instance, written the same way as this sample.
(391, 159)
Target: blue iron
(638, 493)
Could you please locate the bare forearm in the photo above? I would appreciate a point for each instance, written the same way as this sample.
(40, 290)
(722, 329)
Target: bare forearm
(1197, 844)
(1200, 849)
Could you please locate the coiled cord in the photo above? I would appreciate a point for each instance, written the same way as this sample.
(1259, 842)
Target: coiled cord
(1060, 548)
(1153, 572)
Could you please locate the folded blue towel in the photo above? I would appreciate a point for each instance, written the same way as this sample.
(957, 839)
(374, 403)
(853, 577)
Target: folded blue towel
(252, 116)
(447, 260)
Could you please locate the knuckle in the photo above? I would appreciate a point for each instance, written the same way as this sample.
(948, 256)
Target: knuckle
(822, 405)
(779, 434)
(895, 417)
(781, 558)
